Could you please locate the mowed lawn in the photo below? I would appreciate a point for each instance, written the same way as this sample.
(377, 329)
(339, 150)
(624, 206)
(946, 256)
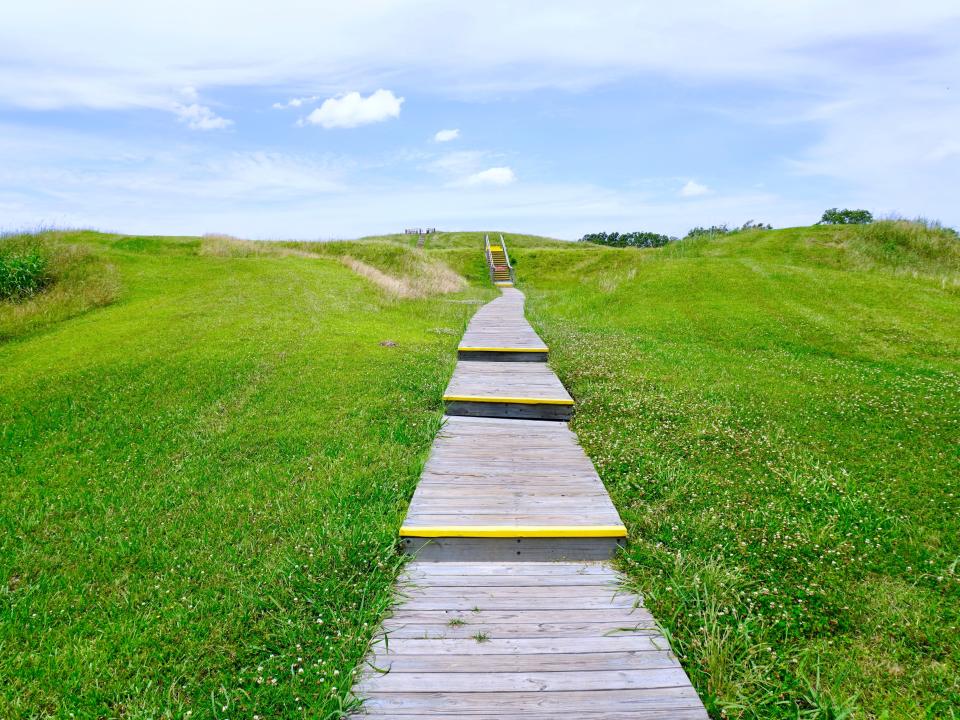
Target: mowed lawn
(777, 418)
(201, 484)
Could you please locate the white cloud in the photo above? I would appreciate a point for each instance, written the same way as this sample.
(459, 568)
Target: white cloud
(457, 163)
(693, 189)
(492, 176)
(443, 136)
(200, 117)
(352, 109)
(296, 102)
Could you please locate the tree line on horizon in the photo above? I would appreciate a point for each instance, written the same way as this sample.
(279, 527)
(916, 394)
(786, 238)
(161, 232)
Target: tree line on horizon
(644, 239)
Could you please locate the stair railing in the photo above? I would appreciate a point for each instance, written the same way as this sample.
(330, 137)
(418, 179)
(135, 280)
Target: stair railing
(506, 255)
(486, 249)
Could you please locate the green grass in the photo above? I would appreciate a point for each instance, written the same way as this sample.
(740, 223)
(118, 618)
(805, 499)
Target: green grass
(23, 267)
(202, 483)
(203, 475)
(46, 278)
(777, 417)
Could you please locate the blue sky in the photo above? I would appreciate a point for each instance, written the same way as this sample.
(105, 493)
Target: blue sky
(571, 117)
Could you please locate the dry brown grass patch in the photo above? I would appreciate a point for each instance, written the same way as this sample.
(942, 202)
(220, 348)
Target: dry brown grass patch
(425, 278)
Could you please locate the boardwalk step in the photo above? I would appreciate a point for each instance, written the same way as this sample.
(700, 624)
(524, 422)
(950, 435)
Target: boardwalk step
(507, 390)
(535, 497)
(494, 651)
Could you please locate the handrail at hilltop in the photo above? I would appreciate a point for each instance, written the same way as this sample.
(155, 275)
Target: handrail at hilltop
(503, 244)
(486, 249)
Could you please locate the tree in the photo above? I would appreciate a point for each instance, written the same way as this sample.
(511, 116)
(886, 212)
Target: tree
(833, 216)
(630, 239)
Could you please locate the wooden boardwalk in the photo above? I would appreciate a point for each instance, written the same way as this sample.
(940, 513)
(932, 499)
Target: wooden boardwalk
(517, 480)
(499, 331)
(510, 609)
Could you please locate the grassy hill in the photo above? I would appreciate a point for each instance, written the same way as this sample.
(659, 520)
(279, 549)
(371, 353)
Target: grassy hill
(203, 470)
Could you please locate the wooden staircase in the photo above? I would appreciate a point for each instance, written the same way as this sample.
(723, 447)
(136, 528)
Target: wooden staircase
(498, 263)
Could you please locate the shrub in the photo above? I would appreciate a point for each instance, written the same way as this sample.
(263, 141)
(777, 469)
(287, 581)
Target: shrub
(711, 231)
(630, 239)
(48, 277)
(24, 267)
(833, 216)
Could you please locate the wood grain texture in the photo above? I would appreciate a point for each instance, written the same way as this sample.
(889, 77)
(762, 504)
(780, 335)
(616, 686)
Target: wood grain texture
(479, 378)
(450, 650)
(501, 323)
(492, 471)
(508, 549)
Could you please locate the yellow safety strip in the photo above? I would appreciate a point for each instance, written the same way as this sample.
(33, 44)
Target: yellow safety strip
(515, 531)
(496, 247)
(465, 348)
(519, 401)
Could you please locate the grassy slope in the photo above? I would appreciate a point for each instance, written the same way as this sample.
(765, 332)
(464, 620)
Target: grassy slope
(779, 428)
(196, 476)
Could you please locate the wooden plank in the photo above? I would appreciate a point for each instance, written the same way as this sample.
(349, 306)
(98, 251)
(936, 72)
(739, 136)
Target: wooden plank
(503, 549)
(532, 681)
(497, 569)
(527, 580)
(532, 662)
(462, 569)
(466, 602)
(692, 713)
(520, 646)
(509, 473)
(666, 699)
(533, 630)
(511, 380)
(512, 593)
(507, 617)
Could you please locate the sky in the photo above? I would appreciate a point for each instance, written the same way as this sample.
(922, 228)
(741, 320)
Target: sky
(313, 119)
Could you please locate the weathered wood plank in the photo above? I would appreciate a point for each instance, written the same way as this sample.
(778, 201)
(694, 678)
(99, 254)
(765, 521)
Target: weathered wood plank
(692, 713)
(497, 569)
(533, 681)
(532, 662)
(505, 380)
(667, 699)
(507, 617)
(520, 646)
(483, 472)
(503, 549)
(637, 714)
(503, 631)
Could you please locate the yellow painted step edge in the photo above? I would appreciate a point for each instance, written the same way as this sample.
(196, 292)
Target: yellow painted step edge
(466, 348)
(558, 531)
(495, 248)
(518, 401)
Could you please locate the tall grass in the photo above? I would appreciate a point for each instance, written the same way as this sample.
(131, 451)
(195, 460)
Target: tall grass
(47, 277)
(24, 266)
(913, 247)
